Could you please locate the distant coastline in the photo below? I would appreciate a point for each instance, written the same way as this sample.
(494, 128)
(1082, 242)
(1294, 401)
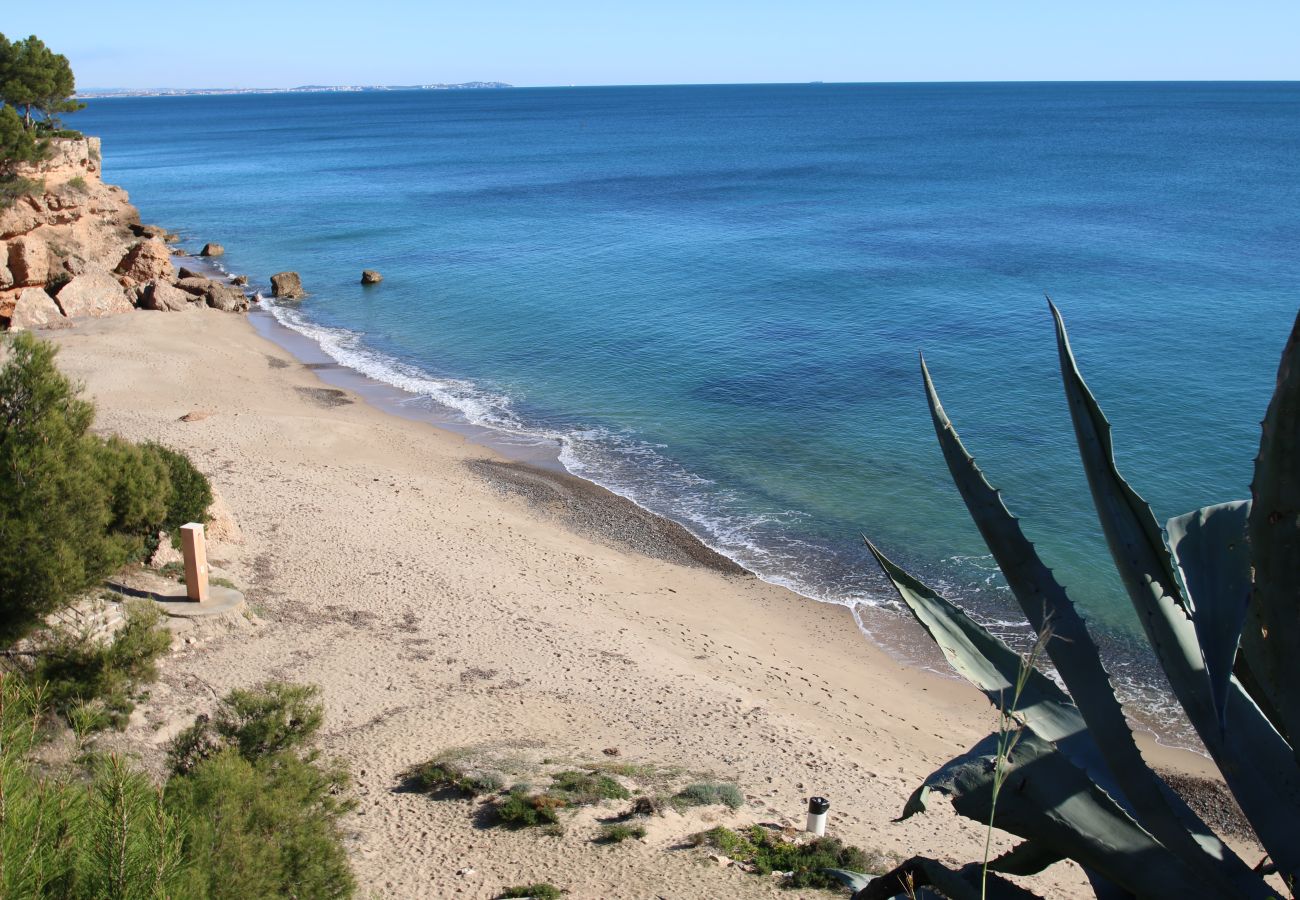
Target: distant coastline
(105, 93)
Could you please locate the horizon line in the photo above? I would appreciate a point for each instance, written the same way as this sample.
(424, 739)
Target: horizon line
(500, 86)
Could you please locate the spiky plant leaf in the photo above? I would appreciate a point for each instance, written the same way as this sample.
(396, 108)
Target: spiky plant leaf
(988, 663)
(1272, 638)
(1078, 660)
(1210, 549)
(916, 876)
(1255, 760)
(1048, 799)
(854, 881)
(1025, 858)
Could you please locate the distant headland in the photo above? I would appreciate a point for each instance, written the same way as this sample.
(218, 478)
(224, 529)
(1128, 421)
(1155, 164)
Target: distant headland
(100, 93)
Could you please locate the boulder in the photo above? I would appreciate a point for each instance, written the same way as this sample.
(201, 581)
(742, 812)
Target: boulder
(148, 260)
(195, 284)
(221, 523)
(29, 261)
(171, 237)
(165, 553)
(240, 280)
(149, 231)
(370, 276)
(212, 250)
(227, 298)
(94, 295)
(286, 285)
(190, 273)
(34, 309)
(180, 251)
(165, 297)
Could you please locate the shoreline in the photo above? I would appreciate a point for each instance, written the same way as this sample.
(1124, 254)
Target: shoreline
(888, 629)
(438, 611)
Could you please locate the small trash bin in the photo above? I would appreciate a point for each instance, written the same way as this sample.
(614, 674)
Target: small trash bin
(818, 808)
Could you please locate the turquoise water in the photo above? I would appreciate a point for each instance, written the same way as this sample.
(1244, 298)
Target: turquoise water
(711, 298)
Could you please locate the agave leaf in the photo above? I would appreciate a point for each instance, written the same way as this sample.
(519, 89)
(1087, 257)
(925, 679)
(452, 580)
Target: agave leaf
(854, 881)
(988, 663)
(1025, 858)
(1255, 760)
(1076, 657)
(1209, 546)
(916, 875)
(1272, 638)
(1048, 799)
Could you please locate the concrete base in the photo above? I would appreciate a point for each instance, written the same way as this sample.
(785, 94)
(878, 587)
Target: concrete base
(171, 599)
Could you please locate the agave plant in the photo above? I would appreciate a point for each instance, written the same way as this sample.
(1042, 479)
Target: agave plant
(1218, 595)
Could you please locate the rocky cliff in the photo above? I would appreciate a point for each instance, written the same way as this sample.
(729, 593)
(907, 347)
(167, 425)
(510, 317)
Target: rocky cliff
(72, 246)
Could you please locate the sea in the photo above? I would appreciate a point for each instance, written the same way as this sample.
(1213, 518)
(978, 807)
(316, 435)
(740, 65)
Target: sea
(711, 299)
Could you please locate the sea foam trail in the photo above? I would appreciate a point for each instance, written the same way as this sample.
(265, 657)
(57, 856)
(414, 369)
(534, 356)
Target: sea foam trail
(762, 542)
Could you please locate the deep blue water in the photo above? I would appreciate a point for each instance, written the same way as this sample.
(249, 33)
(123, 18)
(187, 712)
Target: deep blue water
(714, 296)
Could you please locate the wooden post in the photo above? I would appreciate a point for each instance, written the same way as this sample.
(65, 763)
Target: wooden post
(196, 561)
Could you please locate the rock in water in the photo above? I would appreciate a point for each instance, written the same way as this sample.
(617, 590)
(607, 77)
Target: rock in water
(94, 295)
(239, 279)
(34, 309)
(149, 260)
(287, 286)
(370, 276)
(212, 250)
(190, 273)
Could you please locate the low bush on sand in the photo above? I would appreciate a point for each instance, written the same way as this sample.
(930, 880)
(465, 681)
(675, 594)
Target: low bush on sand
(766, 852)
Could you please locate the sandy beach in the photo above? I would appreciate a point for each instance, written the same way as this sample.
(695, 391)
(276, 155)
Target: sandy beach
(444, 597)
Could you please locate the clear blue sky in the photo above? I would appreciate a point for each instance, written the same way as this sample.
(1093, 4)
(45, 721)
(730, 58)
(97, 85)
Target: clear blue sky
(265, 43)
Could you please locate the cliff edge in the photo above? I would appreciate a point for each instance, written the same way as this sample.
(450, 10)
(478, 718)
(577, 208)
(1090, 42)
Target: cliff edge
(72, 246)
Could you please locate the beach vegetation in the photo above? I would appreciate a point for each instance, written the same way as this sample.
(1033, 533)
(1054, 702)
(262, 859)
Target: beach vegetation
(445, 773)
(269, 720)
(618, 832)
(92, 681)
(96, 827)
(1217, 592)
(539, 891)
(74, 507)
(804, 864)
(523, 808)
(190, 493)
(587, 788)
(710, 793)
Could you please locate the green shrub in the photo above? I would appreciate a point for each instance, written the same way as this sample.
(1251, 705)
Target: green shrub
(77, 184)
(139, 484)
(587, 788)
(228, 830)
(619, 832)
(521, 809)
(100, 835)
(440, 773)
(260, 829)
(711, 793)
(90, 681)
(73, 506)
(54, 509)
(768, 852)
(271, 719)
(540, 891)
(190, 494)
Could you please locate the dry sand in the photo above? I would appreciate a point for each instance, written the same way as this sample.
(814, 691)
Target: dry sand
(444, 599)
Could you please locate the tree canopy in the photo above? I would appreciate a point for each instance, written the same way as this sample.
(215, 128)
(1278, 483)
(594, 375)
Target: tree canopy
(36, 80)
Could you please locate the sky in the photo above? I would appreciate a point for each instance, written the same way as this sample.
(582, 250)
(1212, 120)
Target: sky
(265, 43)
